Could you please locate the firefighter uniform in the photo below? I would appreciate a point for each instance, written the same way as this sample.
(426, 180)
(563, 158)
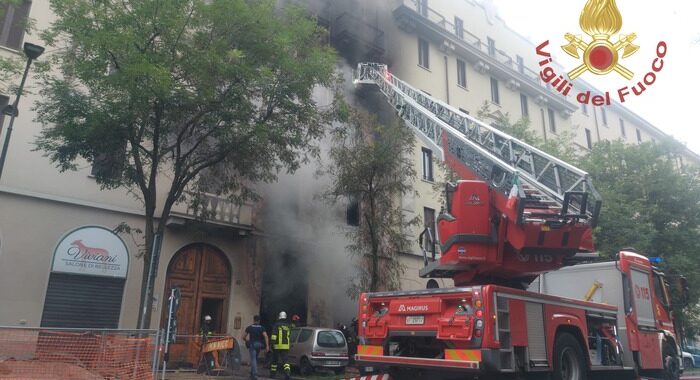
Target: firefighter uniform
(280, 346)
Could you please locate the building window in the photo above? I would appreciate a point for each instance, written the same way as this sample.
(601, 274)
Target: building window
(492, 46)
(584, 108)
(523, 106)
(13, 22)
(521, 64)
(427, 164)
(552, 121)
(604, 116)
(639, 136)
(4, 101)
(423, 53)
(622, 129)
(589, 142)
(423, 7)
(494, 91)
(459, 28)
(429, 223)
(461, 73)
(352, 214)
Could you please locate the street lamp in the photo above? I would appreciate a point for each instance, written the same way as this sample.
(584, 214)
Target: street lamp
(32, 52)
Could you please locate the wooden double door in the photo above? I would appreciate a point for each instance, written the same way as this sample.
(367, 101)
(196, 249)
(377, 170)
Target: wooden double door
(203, 275)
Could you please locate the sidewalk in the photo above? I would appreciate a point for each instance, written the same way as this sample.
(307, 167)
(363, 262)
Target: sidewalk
(244, 374)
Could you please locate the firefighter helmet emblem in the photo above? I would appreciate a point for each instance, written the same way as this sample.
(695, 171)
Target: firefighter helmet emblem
(600, 19)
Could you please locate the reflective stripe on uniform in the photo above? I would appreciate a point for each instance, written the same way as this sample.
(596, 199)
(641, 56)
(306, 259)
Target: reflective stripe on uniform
(281, 338)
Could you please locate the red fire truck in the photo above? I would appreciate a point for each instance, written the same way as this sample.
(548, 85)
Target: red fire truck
(512, 237)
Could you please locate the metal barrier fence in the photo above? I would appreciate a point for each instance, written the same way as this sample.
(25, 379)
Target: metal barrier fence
(78, 354)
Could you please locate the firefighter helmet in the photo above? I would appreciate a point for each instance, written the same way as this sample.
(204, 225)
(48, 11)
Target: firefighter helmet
(282, 315)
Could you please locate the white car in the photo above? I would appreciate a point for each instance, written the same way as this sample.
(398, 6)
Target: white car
(688, 360)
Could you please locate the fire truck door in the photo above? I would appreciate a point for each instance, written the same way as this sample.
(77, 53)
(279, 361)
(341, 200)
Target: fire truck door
(648, 335)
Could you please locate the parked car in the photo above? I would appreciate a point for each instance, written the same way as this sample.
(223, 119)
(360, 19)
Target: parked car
(688, 360)
(696, 355)
(317, 347)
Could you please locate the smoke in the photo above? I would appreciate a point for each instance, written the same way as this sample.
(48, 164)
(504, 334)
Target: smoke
(305, 236)
(305, 244)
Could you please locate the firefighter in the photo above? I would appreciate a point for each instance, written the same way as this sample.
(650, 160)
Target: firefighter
(280, 346)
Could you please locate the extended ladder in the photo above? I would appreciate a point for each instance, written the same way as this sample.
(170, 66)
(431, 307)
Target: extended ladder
(562, 191)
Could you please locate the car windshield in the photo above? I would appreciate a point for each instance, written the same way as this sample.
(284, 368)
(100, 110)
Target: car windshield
(332, 339)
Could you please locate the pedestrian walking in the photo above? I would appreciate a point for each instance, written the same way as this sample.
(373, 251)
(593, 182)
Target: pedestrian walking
(255, 339)
(280, 346)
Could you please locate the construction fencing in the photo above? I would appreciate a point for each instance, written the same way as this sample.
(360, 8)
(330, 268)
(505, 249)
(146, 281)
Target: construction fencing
(78, 354)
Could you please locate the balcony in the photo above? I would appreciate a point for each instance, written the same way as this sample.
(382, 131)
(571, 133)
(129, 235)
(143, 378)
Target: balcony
(414, 17)
(214, 212)
(351, 34)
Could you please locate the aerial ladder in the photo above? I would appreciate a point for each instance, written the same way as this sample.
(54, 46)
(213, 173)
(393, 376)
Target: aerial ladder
(540, 210)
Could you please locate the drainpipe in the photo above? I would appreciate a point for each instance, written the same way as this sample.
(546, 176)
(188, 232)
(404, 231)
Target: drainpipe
(595, 117)
(544, 126)
(447, 81)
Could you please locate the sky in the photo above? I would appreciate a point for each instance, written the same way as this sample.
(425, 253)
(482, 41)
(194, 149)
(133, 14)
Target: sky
(672, 103)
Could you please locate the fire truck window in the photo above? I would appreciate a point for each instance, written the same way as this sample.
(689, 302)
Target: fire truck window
(627, 293)
(659, 290)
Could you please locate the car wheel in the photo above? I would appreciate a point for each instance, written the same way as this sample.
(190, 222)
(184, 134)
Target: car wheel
(568, 360)
(305, 367)
(687, 363)
(339, 371)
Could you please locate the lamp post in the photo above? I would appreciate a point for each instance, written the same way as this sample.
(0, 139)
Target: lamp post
(32, 52)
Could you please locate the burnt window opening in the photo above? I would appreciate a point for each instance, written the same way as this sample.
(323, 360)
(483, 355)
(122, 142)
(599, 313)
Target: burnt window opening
(352, 213)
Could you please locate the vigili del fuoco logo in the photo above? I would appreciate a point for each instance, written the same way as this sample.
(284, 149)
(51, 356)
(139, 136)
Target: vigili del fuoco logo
(601, 54)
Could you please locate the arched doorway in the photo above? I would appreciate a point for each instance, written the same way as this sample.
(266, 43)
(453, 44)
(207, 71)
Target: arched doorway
(203, 274)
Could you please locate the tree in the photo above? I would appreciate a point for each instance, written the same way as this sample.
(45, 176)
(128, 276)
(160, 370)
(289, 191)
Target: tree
(652, 205)
(183, 96)
(372, 164)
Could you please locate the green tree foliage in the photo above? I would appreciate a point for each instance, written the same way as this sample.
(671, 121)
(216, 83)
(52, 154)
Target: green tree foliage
(373, 164)
(179, 97)
(652, 205)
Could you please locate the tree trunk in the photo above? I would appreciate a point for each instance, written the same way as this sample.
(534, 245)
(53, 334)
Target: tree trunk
(146, 303)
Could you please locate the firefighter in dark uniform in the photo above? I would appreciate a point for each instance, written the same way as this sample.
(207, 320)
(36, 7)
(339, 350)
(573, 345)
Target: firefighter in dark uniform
(280, 346)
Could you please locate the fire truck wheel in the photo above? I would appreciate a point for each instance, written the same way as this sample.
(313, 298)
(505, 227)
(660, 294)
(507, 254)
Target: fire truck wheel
(671, 367)
(568, 359)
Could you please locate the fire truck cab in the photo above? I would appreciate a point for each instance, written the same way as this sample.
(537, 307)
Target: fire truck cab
(644, 325)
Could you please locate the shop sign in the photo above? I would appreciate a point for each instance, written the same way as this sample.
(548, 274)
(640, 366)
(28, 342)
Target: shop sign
(91, 250)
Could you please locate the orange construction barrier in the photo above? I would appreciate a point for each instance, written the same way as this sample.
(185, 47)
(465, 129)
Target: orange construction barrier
(27, 353)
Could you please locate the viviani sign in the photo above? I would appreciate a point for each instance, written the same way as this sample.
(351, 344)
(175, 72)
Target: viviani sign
(91, 250)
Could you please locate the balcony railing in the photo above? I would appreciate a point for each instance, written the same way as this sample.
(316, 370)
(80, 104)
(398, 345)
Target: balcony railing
(217, 210)
(470, 39)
